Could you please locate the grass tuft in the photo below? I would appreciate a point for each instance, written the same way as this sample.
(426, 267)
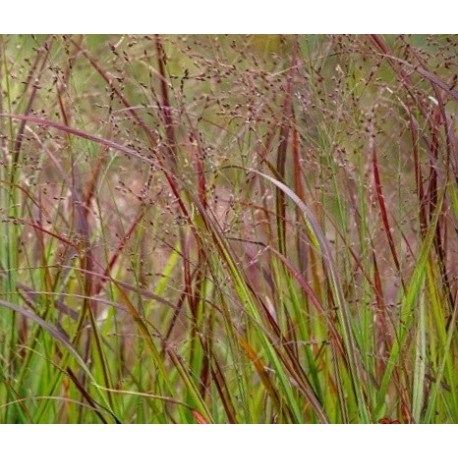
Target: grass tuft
(228, 229)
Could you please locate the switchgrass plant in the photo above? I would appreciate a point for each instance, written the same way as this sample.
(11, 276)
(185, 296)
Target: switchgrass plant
(228, 229)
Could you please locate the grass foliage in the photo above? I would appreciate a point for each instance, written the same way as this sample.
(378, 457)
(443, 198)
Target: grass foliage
(228, 229)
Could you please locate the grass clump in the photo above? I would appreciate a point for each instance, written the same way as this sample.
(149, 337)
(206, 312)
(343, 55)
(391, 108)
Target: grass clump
(228, 229)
